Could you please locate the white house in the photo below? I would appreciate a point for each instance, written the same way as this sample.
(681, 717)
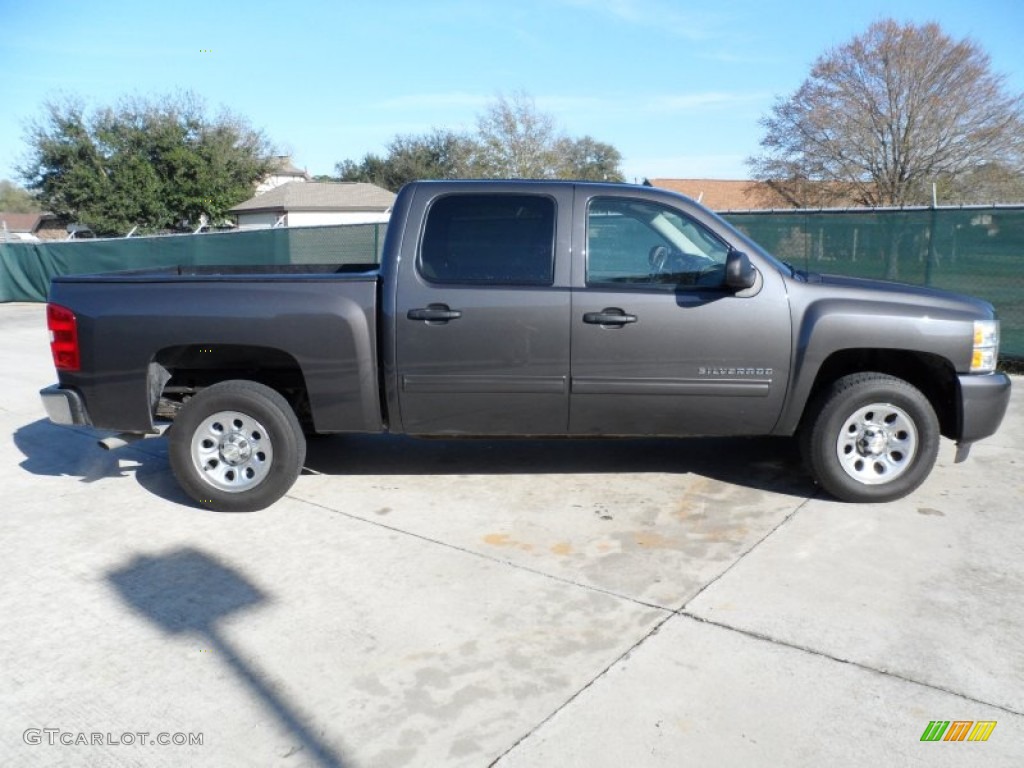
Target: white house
(284, 172)
(315, 203)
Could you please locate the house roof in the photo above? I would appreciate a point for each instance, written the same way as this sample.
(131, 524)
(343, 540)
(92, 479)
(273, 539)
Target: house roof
(749, 195)
(21, 222)
(319, 196)
(724, 194)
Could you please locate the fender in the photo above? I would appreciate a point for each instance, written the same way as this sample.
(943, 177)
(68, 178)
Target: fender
(830, 326)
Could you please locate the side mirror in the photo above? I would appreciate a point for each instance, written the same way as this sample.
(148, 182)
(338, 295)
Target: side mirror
(739, 272)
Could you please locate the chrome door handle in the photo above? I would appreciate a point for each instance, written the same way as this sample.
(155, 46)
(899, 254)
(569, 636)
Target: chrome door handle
(609, 316)
(436, 313)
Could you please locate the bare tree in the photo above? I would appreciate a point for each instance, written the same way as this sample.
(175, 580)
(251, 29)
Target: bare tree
(515, 141)
(988, 183)
(885, 115)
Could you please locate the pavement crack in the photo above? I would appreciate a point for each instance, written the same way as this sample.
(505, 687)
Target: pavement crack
(621, 657)
(736, 561)
(860, 665)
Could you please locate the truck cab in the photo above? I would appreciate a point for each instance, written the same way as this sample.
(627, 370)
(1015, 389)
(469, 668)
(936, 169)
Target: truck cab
(583, 310)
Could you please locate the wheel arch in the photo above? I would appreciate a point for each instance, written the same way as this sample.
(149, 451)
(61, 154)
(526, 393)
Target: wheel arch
(180, 371)
(932, 374)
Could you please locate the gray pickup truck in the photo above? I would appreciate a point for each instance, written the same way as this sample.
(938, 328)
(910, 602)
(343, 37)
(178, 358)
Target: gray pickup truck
(519, 308)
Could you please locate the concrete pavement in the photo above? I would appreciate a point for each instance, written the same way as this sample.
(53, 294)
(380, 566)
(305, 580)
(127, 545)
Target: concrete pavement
(523, 603)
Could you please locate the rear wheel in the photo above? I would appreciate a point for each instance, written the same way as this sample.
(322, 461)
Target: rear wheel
(236, 446)
(870, 437)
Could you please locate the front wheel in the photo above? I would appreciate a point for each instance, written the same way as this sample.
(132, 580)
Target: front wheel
(236, 446)
(870, 437)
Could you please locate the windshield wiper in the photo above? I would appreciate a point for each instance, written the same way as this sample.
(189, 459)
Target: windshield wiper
(793, 271)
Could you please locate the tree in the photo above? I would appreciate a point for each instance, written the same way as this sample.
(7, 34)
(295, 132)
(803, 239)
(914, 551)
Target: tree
(588, 160)
(884, 116)
(990, 183)
(152, 163)
(437, 155)
(516, 141)
(513, 140)
(14, 199)
(371, 169)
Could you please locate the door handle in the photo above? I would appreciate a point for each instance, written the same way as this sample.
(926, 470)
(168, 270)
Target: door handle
(434, 313)
(609, 316)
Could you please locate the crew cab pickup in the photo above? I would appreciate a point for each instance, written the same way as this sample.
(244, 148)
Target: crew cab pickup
(526, 308)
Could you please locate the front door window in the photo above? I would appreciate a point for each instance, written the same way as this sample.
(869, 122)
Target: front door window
(636, 243)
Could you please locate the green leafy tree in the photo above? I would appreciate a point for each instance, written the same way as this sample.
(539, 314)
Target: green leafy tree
(371, 169)
(882, 117)
(152, 163)
(437, 155)
(588, 159)
(15, 199)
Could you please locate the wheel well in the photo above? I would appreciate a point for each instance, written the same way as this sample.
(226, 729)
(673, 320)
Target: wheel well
(193, 367)
(935, 376)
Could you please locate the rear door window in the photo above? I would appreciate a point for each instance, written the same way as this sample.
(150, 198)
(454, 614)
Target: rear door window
(489, 240)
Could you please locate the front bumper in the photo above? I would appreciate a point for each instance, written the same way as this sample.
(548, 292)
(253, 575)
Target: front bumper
(984, 399)
(64, 406)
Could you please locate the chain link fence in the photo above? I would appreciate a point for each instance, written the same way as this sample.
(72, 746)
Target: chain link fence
(973, 250)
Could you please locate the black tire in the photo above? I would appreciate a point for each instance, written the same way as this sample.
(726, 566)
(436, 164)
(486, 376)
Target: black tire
(236, 446)
(870, 437)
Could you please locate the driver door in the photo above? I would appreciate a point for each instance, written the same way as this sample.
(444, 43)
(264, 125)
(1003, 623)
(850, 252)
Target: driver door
(660, 346)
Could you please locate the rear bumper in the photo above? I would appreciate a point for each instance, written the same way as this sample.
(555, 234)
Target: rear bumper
(64, 406)
(983, 402)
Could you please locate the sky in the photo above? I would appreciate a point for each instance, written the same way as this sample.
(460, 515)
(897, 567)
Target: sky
(678, 87)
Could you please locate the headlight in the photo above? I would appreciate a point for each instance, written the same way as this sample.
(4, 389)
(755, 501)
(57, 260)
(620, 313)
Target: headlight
(986, 346)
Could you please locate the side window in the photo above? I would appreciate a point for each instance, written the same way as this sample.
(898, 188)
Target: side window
(489, 239)
(635, 242)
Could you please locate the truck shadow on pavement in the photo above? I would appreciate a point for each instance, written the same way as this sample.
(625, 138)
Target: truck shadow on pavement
(69, 452)
(54, 451)
(764, 463)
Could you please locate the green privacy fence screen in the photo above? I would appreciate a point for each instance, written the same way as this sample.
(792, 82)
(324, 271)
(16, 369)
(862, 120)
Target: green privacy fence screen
(979, 251)
(976, 250)
(26, 268)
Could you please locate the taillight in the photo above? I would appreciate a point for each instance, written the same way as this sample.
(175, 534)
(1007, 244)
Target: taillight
(63, 337)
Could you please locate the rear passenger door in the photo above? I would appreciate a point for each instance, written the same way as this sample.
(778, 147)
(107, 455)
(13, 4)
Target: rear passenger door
(482, 313)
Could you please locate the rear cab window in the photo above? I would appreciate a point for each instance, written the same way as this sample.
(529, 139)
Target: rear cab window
(491, 239)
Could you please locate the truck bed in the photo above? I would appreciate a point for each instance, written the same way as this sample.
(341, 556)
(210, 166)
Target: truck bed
(195, 319)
